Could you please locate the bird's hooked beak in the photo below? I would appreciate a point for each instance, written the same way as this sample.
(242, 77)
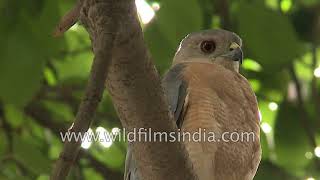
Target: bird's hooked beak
(235, 53)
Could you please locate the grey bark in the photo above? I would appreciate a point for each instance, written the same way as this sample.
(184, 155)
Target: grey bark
(134, 86)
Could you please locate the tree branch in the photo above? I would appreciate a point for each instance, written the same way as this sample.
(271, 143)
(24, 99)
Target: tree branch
(134, 86)
(93, 95)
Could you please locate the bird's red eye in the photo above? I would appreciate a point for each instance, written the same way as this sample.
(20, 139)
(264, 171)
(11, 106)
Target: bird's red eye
(207, 46)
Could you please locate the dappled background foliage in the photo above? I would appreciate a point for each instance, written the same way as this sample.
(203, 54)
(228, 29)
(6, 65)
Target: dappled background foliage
(42, 80)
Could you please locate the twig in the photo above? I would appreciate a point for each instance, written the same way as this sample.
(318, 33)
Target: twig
(305, 120)
(68, 20)
(222, 9)
(207, 12)
(314, 89)
(7, 129)
(93, 95)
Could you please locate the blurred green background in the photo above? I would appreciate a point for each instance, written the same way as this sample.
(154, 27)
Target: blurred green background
(42, 81)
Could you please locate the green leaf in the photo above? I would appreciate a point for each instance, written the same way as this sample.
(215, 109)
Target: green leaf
(268, 116)
(13, 115)
(113, 156)
(43, 177)
(255, 84)
(286, 5)
(309, 3)
(77, 38)
(55, 147)
(75, 67)
(264, 146)
(26, 45)
(30, 156)
(274, 85)
(50, 77)
(47, 20)
(291, 141)
(91, 174)
(252, 65)
(106, 103)
(169, 28)
(272, 4)
(60, 111)
(303, 67)
(20, 67)
(161, 49)
(268, 36)
(35, 130)
(4, 143)
(11, 171)
(268, 170)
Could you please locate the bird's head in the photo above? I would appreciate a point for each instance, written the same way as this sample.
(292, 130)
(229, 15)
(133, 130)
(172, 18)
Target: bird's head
(211, 46)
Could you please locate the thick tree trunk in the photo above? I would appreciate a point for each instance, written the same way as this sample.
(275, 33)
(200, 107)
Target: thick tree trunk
(134, 86)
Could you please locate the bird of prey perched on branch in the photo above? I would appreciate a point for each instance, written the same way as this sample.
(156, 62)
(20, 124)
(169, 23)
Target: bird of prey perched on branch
(206, 91)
